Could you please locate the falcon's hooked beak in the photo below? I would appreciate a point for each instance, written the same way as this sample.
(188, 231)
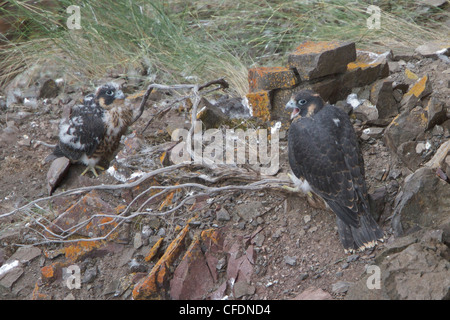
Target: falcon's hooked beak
(292, 105)
(119, 95)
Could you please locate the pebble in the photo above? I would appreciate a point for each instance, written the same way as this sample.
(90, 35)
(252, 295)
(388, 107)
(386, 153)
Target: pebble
(340, 287)
(89, 275)
(223, 215)
(292, 261)
(137, 243)
(303, 276)
(307, 218)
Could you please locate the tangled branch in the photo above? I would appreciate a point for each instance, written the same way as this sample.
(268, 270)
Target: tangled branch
(193, 185)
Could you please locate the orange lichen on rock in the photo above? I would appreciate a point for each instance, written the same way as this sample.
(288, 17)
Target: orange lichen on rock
(309, 47)
(154, 250)
(259, 102)
(269, 78)
(50, 272)
(153, 285)
(36, 295)
(359, 64)
(313, 60)
(212, 234)
(419, 88)
(76, 251)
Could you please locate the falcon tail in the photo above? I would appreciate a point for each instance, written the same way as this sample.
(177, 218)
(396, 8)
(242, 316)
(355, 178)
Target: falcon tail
(365, 236)
(57, 153)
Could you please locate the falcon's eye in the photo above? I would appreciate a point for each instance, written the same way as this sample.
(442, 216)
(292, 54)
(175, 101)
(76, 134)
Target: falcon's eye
(302, 102)
(109, 92)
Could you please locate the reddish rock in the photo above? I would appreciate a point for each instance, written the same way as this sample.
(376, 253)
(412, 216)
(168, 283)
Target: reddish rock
(57, 171)
(155, 284)
(83, 211)
(192, 277)
(196, 274)
(51, 272)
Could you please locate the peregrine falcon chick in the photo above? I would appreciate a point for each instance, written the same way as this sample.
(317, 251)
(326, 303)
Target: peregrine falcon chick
(92, 131)
(324, 153)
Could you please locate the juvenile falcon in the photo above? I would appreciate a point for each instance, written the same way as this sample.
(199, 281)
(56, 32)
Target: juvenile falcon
(92, 131)
(325, 156)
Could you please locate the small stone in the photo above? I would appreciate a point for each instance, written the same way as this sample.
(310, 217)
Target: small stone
(137, 265)
(292, 261)
(303, 276)
(307, 218)
(242, 288)
(89, 275)
(57, 171)
(137, 242)
(352, 258)
(313, 293)
(366, 111)
(223, 215)
(374, 132)
(210, 114)
(340, 287)
(70, 296)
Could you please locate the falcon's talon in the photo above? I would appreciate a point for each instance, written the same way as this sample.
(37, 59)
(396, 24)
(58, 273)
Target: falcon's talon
(291, 189)
(92, 169)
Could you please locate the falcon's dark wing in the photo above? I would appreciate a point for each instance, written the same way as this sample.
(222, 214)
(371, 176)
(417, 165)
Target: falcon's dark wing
(324, 150)
(81, 132)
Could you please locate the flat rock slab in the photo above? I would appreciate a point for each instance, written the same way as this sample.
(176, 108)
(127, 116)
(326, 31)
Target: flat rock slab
(317, 59)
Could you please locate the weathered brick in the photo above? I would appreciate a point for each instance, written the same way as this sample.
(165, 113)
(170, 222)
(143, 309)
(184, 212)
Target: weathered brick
(259, 102)
(269, 78)
(317, 59)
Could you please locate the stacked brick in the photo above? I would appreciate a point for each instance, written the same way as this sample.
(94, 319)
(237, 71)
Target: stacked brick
(331, 69)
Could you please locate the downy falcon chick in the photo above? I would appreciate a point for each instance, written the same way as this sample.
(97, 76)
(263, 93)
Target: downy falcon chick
(93, 130)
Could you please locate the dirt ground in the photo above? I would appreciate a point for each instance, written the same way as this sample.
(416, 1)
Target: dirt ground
(297, 246)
